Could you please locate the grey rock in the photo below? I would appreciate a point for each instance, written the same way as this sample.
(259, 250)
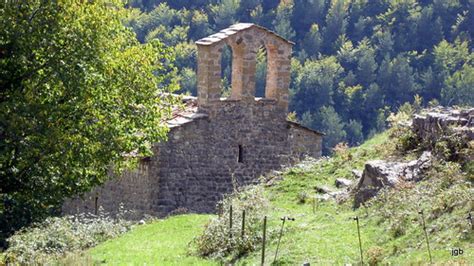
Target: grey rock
(379, 174)
(342, 183)
(432, 124)
(323, 189)
(356, 173)
(324, 197)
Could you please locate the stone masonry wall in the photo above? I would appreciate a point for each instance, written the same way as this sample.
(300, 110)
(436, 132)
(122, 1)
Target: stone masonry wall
(200, 161)
(132, 191)
(304, 142)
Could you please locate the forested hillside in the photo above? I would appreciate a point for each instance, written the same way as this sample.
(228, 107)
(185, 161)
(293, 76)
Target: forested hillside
(354, 62)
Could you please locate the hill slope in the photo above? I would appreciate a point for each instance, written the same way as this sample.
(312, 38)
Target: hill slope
(390, 225)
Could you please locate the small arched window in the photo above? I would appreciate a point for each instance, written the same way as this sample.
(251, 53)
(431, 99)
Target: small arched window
(261, 72)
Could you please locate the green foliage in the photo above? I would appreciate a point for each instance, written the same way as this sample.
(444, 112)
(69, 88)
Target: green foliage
(459, 88)
(336, 24)
(55, 237)
(456, 63)
(329, 122)
(224, 13)
(315, 85)
(79, 94)
(177, 35)
(218, 240)
(385, 52)
(355, 135)
(313, 40)
(282, 22)
(292, 117)
(188, 80)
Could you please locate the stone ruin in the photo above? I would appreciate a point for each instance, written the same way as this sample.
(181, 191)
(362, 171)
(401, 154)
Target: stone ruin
(215, 144)
(433, 124)
(430, 126)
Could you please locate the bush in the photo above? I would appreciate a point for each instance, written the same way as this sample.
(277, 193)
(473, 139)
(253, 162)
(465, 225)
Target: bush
(219, 241)
(56, 236)
(375, 255)
(302, 197)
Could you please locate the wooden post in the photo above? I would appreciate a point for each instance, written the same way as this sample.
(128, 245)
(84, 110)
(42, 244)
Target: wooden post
(360, 241)
(264, 238)
(469, 218)
(230, 222)
(219, 209)
(96, 205)
(243, 224)
(426, 235)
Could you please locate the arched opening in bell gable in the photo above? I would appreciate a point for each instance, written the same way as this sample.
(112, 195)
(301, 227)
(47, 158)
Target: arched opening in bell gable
(261, 72)
(226, 72)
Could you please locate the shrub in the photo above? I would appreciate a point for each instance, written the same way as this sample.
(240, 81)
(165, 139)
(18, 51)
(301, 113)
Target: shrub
(56, 236)
(342, 151)
(406, 139)
(302, 197)
(375, 255)
(219, 241)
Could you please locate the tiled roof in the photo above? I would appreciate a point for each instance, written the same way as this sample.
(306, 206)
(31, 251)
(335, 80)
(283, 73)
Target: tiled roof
(225, 33)
(298, 125)
(185, 113)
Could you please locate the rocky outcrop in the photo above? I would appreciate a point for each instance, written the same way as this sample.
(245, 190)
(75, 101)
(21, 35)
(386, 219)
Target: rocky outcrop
(380, 174)
(431, 125)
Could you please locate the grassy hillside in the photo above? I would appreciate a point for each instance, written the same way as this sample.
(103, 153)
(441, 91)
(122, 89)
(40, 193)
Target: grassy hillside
(391, 229)
(163, 242)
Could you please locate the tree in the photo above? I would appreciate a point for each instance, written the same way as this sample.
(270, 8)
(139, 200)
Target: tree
(455, 63)
(459, 88)
(307, 13)
(429, 30)
(315, 84)
(162, 15)
(366, 64)
(188, 81)
(329, 122)
(224, 13)
(336, 24)
(169, 37)
(354, 132)
(79, 95)
(282, 22)
(313, 40)
(199, 25)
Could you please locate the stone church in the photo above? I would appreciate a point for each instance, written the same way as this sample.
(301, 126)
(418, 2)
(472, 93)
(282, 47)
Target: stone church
(214, 143)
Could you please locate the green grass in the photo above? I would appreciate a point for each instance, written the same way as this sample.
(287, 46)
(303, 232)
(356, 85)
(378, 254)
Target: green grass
(163, 242)
(328, 236)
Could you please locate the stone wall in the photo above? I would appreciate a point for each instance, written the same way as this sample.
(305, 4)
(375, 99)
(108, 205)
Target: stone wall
(132, 191)
(304, 142)
(200, 161)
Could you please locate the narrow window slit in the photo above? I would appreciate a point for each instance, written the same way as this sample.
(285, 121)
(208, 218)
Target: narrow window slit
(241, 154)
